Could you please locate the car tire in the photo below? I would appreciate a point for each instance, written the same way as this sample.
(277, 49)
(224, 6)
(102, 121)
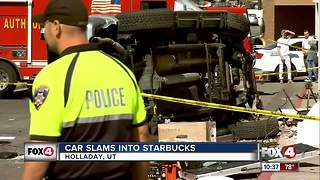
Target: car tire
(7, 74)
(276, 77)
(295, 73)
(237, 25)
(152, 21)
(145, 20)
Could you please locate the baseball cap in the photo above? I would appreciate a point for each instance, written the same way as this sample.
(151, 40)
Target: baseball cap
(69, 12)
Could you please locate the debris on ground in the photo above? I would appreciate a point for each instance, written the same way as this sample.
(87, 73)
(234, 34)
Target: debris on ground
(8, 155)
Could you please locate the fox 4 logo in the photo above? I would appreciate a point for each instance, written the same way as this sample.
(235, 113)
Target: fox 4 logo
(278, 152)
(46, 151)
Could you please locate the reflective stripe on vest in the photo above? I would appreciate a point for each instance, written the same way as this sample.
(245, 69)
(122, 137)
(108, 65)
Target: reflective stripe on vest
(97, 119)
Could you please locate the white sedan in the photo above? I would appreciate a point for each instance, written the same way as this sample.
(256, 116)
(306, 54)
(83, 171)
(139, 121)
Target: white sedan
(267, 59)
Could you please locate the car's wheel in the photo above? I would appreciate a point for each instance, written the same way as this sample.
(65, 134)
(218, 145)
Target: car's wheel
(152, 21)
(237, 25)
(285, 75)
(7, 75)
(294, 73)
(145, 20)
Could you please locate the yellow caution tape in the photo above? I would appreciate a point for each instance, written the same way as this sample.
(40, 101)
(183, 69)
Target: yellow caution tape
(230, 108)
(277, 73)
(297, 47)
(16, 83)
(216, 106)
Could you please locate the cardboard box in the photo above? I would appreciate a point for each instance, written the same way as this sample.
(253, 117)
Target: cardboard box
(195, 131)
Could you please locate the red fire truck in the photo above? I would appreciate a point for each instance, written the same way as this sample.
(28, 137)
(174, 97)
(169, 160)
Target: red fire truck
(22, 52)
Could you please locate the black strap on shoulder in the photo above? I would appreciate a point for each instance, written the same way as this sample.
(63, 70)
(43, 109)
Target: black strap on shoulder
(67, 81)
(123, 67)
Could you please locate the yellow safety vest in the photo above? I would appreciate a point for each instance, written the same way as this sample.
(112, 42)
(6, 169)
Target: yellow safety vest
(84, 89)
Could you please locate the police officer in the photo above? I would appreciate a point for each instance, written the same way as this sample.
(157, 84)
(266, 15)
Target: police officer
(84, 96)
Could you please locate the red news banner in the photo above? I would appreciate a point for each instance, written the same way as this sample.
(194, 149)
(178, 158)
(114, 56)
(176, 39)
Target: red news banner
(289, 167)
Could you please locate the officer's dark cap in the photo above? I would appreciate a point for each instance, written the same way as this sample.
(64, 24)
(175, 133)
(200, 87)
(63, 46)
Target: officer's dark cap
(69, 12)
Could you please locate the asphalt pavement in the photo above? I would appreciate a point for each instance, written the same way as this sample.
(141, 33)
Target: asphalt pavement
(14, 119)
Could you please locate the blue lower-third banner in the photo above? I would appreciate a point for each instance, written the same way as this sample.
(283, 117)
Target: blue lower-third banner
(141, 151)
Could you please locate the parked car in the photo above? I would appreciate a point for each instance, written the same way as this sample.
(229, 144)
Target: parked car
(257, 25)
(253, 19)
(267, 59)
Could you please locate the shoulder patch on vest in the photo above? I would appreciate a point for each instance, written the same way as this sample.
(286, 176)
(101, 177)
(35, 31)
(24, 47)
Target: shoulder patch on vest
(40, 96)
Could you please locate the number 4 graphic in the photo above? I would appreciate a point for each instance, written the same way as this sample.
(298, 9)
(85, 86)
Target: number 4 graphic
(289, 151)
